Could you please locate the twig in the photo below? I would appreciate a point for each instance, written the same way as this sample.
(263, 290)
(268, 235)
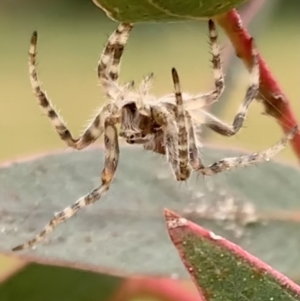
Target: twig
(275, 102)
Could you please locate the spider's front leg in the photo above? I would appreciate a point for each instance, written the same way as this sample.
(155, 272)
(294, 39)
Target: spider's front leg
(94, 129)
(109, 63)
(170, 136)
(110, 166)
(185, 169)
(194, 144)
(229, 130)
(227, 164)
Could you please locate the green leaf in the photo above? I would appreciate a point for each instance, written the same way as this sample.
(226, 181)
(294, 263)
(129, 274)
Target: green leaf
(49, 281)
(56, 280)
(163, 10)
(125, 229)
(224, 271)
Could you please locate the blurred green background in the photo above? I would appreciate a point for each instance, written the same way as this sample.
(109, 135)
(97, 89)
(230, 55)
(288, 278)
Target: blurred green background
(71, 37)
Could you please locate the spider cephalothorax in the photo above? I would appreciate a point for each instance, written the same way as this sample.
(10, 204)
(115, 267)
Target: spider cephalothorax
(165, 125)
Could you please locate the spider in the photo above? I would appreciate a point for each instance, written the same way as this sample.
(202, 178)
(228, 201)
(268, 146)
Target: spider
(164, 125)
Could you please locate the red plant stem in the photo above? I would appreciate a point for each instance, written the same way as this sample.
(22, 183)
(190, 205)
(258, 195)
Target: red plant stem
(162, 288)
(247, 15)
(275, 102)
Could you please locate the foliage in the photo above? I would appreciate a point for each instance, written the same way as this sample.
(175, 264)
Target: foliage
(110, 234)
(51, 281)
(162, 10)
(222, 270)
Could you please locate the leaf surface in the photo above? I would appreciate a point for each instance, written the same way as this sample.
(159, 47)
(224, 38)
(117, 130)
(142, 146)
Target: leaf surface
(163, 10)
(46, 281)
(223, 270)
(125, 230)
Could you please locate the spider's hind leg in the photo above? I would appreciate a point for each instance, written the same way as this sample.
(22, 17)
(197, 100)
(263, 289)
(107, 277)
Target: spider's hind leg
(217, 65)
(168, 125)
(194, 144)
(201, 99)
(227, 164)
(183, 151)
(229, 130)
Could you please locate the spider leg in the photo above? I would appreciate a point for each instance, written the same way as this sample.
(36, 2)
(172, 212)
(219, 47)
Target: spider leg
(194, 144)
(184, 166)
(110, 166)
(108, 65)
(94, 129)
(43, 101)
(247, 160)
(170, 134)
(201, 100)
(229, 130)
(144, 88)
(211, 97)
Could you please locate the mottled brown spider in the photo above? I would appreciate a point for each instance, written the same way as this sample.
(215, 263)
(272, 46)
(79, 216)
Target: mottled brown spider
(164, 125)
